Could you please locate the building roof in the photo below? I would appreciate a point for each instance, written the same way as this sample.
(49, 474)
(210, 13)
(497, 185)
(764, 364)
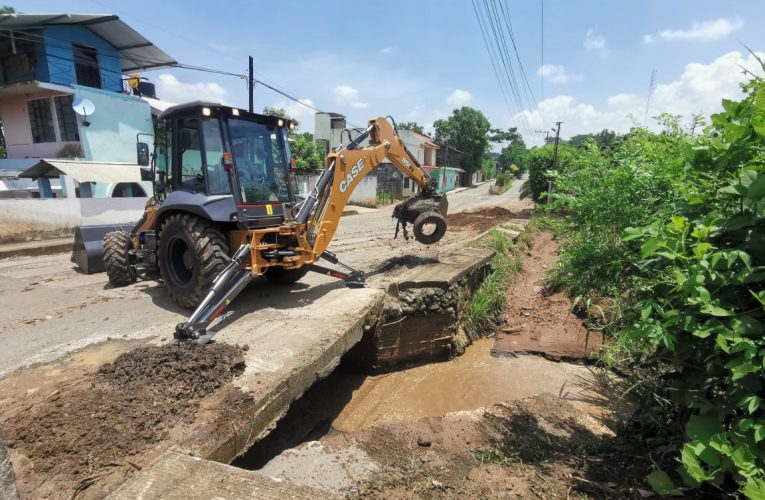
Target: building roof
(136, 52)
(85, 171)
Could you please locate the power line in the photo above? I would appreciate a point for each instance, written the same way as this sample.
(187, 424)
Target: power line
(493, 32)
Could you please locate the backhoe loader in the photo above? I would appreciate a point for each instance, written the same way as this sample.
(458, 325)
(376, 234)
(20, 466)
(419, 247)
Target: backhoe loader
(225, 208)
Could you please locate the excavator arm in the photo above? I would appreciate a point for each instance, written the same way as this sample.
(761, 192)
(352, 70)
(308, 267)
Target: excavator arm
(347, 166)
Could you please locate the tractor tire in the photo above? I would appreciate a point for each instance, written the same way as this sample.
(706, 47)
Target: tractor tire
(192, 252)
(281, 276)
(429, 218)
(120, 271)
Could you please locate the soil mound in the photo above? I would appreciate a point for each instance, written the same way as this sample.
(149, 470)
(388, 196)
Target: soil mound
(103, 426)
(184, 372)
(480, 220)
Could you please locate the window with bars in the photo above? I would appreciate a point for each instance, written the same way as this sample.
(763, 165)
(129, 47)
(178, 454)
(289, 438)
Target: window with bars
(67, 120)
(86, 65)
(41, 120)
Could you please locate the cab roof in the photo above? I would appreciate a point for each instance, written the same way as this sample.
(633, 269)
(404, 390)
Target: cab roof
(227, 110)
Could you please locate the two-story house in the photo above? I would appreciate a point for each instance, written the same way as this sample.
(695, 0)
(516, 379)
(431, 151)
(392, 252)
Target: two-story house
(48, 62)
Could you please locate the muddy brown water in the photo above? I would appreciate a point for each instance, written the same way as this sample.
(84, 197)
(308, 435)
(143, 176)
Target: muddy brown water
(473, 380)
(349, 402)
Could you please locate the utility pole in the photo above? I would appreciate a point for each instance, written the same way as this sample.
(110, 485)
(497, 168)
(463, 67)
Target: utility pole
(555, 159)
(251, 85)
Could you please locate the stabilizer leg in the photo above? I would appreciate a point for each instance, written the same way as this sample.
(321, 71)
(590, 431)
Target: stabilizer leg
(226, 286)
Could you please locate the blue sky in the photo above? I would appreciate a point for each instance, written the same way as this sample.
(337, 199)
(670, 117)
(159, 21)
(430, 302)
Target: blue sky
(417, 60)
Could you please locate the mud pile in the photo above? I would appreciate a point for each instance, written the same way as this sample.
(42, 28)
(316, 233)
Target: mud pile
(480, 220)
(80, 435)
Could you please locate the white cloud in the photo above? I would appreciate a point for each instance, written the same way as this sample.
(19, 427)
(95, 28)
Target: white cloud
(389, 50)
(169, 88)
(700, 89)
(596, 43)
(303, 114)
(556, 73)
(646, 39)
(348, 96)
(459, 98)
(706, 30)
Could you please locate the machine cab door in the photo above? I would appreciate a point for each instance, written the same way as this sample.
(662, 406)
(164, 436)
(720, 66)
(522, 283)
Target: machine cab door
(260, 155)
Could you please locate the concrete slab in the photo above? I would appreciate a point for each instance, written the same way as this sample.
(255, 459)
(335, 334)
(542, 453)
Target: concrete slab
(179, 476)
(280, 368)
(451, 267)
(315, 465)
(32, 248)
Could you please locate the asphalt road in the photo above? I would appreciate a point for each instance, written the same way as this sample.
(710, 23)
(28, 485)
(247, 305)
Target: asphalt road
(48, 308)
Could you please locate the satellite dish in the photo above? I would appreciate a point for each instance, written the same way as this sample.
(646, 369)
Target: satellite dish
(83, 107)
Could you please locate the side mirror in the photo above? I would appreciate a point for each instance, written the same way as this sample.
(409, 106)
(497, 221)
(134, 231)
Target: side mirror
(142, 153)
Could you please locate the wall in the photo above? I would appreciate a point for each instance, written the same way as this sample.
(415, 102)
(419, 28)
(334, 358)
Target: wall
(111, 136)
(18, 132)
(60, 59)
(364, 194)
(74, 212)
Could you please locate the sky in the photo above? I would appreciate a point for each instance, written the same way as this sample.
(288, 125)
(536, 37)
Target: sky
(588, 63)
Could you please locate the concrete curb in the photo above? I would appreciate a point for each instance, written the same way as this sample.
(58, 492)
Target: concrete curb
(36, 248)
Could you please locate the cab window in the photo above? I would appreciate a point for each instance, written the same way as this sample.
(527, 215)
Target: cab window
(190, 153)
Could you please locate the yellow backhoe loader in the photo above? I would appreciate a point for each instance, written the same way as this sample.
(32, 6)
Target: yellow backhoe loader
(225, 208)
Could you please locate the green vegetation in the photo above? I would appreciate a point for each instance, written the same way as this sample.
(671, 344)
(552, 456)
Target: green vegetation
(664, 236)
(467, 130)
(484, 310)
(413, 126)
(504, 182)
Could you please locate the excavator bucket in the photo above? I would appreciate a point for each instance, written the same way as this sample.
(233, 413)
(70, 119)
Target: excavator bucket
(88, 248)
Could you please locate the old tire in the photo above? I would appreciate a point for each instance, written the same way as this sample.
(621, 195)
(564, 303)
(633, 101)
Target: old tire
(120, 271)
(281, 276)
(429, 228)
(192, 252)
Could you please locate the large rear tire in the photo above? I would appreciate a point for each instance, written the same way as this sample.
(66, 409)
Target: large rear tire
(192, 252)
(120, 271)
(429, 227)
(281, 276)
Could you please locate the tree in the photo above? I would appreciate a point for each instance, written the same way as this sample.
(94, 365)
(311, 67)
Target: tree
(514, 153)
(5, 9)
(467, 130)
(605, 139)
(280, 112)
(307, 153)
(413, 126)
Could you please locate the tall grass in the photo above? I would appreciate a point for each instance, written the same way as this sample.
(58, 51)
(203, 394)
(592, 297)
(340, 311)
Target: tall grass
(484, 310)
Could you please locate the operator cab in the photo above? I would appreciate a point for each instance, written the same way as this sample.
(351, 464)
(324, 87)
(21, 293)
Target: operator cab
(199, 143)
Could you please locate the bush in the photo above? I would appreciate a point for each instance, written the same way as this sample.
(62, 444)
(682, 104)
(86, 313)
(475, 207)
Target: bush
(704, 311)
(540, 162)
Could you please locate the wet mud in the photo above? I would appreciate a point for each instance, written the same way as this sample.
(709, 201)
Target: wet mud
(104, 424)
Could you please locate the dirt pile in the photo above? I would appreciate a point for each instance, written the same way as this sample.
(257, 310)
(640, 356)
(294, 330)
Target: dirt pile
(479, 220)
(102, 426)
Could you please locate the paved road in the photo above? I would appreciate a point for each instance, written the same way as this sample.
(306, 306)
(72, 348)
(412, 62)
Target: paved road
(48, 309)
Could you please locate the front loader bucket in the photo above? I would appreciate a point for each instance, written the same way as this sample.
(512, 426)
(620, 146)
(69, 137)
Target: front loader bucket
(88, 248)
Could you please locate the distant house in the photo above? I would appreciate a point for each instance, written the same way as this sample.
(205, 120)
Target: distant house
(49, 61)
(332, 129)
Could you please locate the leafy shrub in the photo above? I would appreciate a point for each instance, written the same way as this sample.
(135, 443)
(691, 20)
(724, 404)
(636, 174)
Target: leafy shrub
(604, 194)
(540, 165)
(704, 308)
